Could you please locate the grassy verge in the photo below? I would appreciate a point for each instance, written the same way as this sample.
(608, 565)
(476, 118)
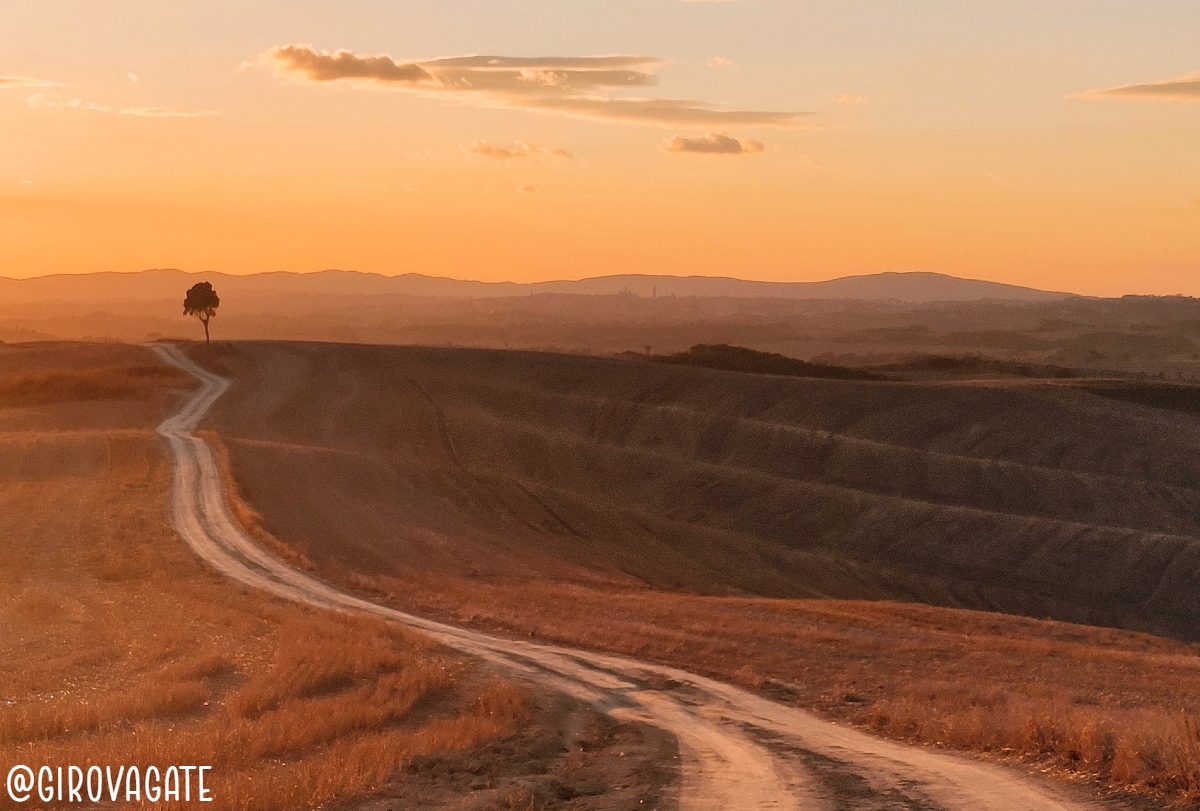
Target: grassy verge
(1114, 706)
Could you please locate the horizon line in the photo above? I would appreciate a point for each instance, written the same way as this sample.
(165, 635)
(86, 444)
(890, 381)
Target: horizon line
(381, 275)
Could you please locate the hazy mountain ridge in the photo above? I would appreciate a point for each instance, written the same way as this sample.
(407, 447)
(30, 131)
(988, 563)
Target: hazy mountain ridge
(915, 287)
(1160, 335)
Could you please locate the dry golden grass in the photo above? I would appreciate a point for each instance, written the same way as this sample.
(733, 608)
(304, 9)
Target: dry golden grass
(1111, 705)
(130, 380)
(342, 707)
(119, 648)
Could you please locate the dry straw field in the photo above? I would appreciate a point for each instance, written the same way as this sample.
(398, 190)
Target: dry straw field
(119, 648)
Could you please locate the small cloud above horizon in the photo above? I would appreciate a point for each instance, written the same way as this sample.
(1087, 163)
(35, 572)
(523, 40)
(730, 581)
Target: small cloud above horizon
(720, 62)
(13, 82)
(360, 184)
(483, 148)
(577, 87)
(165, 112)
(1184, 88)
(712, 144)
(53, 101)
(850, 99)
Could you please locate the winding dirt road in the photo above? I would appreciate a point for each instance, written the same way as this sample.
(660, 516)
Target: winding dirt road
(738, 751)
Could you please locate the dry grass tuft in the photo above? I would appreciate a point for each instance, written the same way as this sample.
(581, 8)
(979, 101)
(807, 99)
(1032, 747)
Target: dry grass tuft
(128, 381)
(1154, 751)
(1114, 706)
(344, 706)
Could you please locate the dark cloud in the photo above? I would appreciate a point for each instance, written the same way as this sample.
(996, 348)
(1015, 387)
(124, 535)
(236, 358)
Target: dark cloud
(580, 87)
(1183, 88)
(713, 144)
(324, 66)
(470, 73)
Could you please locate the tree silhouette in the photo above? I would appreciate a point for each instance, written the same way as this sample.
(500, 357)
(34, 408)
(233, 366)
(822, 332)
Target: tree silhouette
(202, 301)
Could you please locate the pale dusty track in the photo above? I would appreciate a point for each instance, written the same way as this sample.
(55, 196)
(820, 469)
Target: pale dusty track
(738, 751)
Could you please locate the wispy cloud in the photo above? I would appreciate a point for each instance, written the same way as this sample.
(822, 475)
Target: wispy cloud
(1181, 88)
(518, 149)
(582, 87)
(715, 143)
(54, 101)
(13, 82)
(360, 184)
(164, 112)
(720, 62)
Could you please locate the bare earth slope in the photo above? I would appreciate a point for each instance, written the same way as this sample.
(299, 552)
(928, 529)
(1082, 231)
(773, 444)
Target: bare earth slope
(1045, 500)
(738, 751)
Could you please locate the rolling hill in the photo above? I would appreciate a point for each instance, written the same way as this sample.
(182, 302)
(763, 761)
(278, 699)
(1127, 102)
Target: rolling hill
(717, 521)
(1048, 500)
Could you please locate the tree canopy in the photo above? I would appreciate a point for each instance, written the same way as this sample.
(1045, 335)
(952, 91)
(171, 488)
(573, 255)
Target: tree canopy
(202, 301)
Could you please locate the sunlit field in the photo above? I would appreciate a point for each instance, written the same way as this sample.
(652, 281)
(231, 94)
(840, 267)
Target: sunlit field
(119, 648)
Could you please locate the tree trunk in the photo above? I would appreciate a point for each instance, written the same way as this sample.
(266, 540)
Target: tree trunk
(204, 321)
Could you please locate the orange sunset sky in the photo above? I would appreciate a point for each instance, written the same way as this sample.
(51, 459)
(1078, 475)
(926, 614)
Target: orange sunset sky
(1050, 144)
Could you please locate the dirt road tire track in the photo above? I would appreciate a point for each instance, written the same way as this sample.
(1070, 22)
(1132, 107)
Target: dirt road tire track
(738, 751)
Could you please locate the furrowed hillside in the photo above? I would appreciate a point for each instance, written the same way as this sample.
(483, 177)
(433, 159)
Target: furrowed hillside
(1045, 498)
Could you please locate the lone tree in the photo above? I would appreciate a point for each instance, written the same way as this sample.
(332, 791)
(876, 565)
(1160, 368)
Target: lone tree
(202, 301)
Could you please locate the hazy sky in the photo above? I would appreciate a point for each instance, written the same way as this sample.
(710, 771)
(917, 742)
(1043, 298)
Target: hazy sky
(1055, 144)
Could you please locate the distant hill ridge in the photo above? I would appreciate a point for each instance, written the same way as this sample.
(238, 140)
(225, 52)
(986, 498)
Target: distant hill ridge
(915, 287)
(741, 359)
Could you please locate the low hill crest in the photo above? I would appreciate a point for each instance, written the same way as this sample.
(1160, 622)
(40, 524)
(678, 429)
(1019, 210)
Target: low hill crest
(912, 287)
